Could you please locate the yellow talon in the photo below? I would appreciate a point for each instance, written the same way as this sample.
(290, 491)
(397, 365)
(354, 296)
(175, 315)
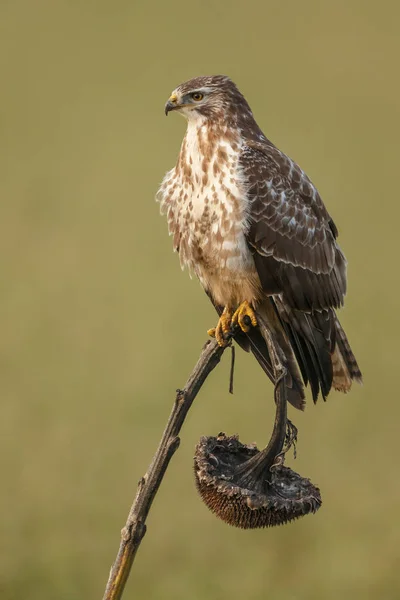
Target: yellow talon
(227, 322)
(223, 328)
(244, 310)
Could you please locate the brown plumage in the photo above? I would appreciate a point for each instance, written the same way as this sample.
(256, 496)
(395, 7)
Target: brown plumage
(252, 226)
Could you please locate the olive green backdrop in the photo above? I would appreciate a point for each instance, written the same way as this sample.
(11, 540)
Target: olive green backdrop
(98, 326)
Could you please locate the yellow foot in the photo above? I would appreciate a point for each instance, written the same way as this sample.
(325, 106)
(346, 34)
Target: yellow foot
(244, 310)
(223, 328)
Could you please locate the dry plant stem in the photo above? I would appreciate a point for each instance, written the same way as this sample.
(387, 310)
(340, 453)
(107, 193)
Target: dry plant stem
(258, 467)
(135, 528)
(263, 461)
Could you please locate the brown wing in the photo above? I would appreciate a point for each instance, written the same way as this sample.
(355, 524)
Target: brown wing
(291, 234)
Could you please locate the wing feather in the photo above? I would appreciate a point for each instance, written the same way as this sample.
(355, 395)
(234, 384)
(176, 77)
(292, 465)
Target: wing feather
(291, 234)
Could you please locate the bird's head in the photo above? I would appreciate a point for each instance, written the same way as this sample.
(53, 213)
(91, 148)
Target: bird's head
(207, 98)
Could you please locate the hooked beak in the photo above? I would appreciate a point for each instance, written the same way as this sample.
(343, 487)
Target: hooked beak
(172, 104)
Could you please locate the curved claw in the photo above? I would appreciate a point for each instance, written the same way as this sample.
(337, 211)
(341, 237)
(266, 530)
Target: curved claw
(239, 317)
(223, 329)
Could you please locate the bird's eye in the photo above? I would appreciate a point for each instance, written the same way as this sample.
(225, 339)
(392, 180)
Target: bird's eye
(197, 96)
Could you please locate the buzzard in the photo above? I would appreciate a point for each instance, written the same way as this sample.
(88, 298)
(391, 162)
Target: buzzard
(251, 225)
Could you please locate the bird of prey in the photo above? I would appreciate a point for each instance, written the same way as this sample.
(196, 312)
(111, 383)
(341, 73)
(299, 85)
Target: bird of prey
(251, 225)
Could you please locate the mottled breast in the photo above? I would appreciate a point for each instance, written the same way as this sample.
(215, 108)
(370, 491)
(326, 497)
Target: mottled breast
(205, 200)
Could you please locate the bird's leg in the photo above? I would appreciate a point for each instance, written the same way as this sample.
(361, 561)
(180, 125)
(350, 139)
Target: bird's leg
(223, 328)
(239, 317)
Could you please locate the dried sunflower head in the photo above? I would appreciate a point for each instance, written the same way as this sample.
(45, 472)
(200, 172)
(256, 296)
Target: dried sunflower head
(265, 499)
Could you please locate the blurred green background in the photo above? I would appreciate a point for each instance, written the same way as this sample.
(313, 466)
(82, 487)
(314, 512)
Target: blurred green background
(99, 326)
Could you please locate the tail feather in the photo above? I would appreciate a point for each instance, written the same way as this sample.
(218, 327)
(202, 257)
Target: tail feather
(321, 348)
(307, 361)
(311, 345)
(345, 367)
